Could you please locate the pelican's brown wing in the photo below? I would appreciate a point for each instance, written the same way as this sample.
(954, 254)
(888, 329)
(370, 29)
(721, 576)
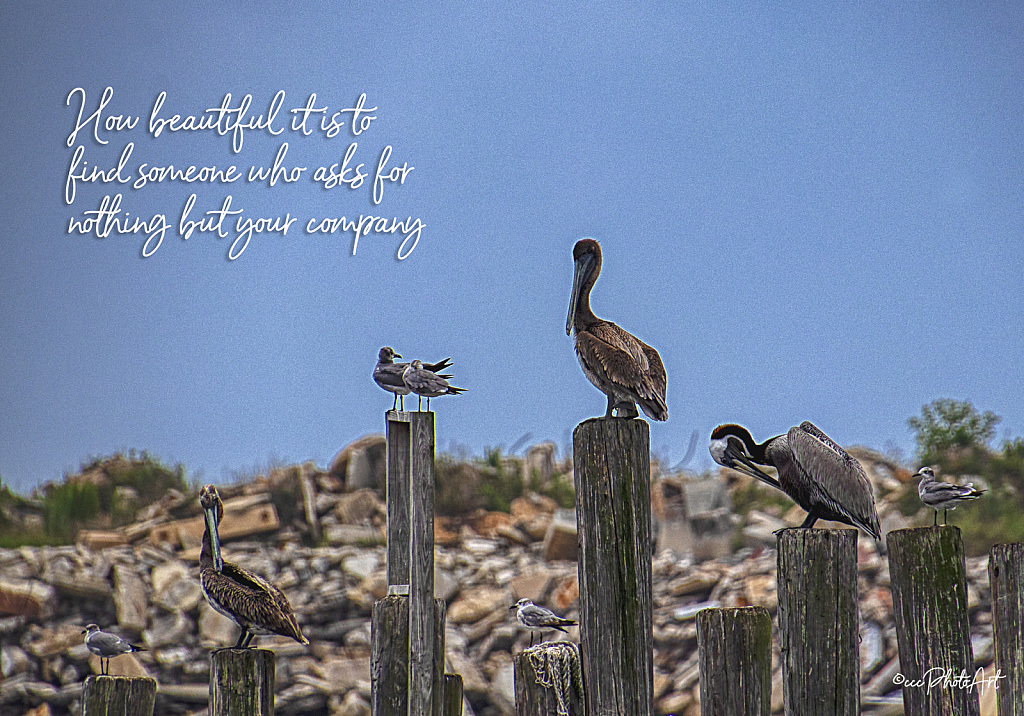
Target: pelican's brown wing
(839, 476)
(629, 364)
(262, 603)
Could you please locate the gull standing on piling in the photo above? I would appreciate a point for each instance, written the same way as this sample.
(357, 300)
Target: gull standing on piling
(537, 618)
(388, 374)
(813, 470)
(618, 363)
(106, 646)
(247, 599)
(426, 383)
(943, 495)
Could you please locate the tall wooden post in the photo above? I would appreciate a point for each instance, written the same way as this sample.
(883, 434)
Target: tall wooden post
(819, 632)
(734, 648)
(410, 559)
(453, 695)
(118, 696)
(391, 694)
(612, 461)
(929, 594)
(242, 682)
(1006, 580)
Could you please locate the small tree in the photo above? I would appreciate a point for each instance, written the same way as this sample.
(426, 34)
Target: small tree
(946, 425)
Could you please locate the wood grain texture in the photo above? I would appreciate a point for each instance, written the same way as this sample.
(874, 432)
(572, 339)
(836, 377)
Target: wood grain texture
(399, 480)
(929, 594)
(389, 659)
(452, 704)
(613, 509)
(1006, 579)
(423, 672)
(242, 682)
(819, 631)
(734, 648)
(118, 696)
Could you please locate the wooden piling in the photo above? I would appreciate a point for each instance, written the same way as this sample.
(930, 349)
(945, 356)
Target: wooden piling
(242, 682)
(452, 695)
(929, 593)
(399, 477)
(548, 680)
(118, 696)
(819, 631)
(1006, 580)
(612, 467)
(389, 660)
(734, 648)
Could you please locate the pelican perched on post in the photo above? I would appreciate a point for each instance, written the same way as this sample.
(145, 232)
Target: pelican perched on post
(621, 365)
(819, 475)
(388, 374)
(253, 603)
(943, 495)
(427, 384)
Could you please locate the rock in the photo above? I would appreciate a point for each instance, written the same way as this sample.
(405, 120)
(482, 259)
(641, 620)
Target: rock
(760, 589)
(531, 505)
(712, 534)
(100, 539)
(14, 661)
(55, 641)
(566, 593)
(361, 566)
(27, 598)
(352, 705)
(343, 673)
(182, 595)
(123, 665)
(560, 542)
(360, 535)
(503, 687)
(130, 599)
(474, 685)
(532, 585)
(446, 585)
(215, 629)
(476, 604)
(167, 630)
(540, 463)
(362, 463)
(487, 524)
(359, 507)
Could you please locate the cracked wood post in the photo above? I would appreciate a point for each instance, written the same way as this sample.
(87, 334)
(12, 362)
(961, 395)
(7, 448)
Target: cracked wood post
(819, 630)
(1006, 580)
(118, 696)
(612, 467)
(536, 699)
(389, 659)
(734, 648)
(929, 595)
(242, 682)
(452, 695)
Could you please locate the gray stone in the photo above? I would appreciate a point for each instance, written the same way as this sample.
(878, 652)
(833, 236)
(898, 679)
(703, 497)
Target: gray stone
(130, 599)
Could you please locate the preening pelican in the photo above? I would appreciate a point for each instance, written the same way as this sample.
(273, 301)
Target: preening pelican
(819, 475)
(253, 603)
(621, 365)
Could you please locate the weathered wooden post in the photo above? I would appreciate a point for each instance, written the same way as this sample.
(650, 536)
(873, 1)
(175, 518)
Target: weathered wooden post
(118, 696)
(929, 594)
(407, 668)
(242, 682)
(819, 633)
(612, 468)
(1006, 580)
(452, 695)
(549, 680)
(734, 648)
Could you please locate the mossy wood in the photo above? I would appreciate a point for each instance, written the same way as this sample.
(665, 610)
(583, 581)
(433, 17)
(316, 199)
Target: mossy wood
(452, 704)
(612, 467)
(242, 682)
(1006, 579)
(734, 648)
(819, 631)
(536, 699)
(929, 594)
(118, 696)
(389, 659)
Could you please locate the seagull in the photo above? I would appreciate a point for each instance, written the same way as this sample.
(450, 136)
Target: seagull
(537, 618)
(426, 383)
(388, 374)
(943, 495)
(106, 645)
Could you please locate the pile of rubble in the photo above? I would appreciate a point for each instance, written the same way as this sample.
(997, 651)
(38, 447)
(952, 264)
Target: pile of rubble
(142, 583)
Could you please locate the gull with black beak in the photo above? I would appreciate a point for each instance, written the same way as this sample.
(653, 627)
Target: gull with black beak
(388, 374)
(536, 618)
(106, 646)
(943, 495)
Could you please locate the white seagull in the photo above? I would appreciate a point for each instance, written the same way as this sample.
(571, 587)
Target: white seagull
(943, 495)
(537, 618)
(106, 645)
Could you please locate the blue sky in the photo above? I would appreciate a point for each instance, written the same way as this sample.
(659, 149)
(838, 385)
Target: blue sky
(813, 213)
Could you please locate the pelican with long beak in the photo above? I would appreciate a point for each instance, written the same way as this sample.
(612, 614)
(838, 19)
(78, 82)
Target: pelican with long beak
(250, 601)
(618, 363)
(813, 470)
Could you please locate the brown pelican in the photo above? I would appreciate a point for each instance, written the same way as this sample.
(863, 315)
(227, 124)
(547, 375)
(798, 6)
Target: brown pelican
(106, 645)
(426, 383)
(943, 495)
(253, 603)
(537, 618)
(388, 374)
(621, 365)
(819, 475)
